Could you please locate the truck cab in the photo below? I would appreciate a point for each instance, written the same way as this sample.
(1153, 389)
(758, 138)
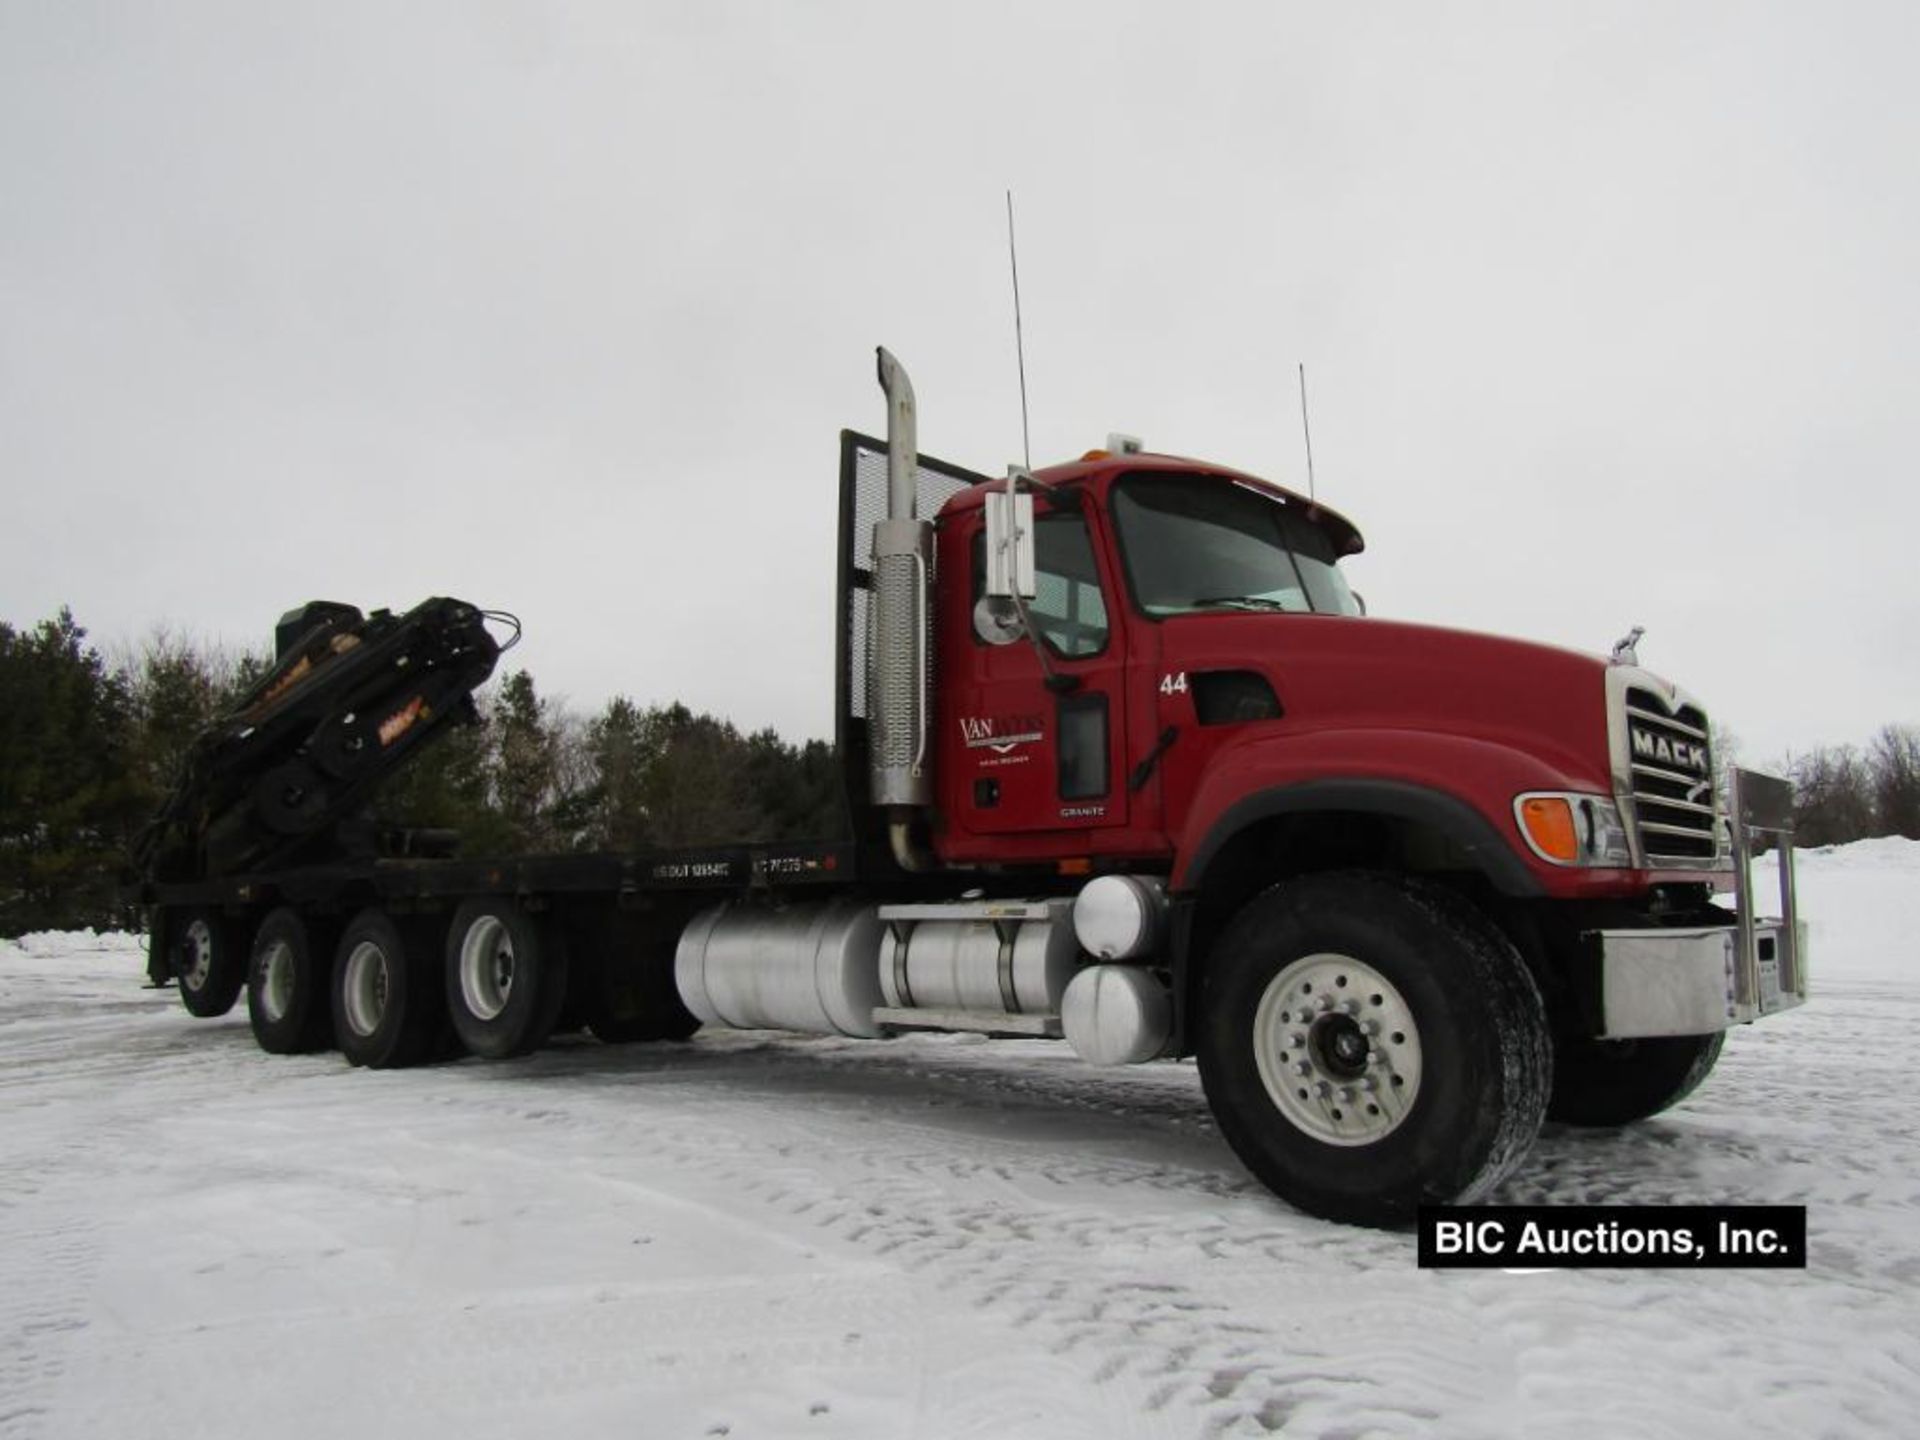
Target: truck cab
(1192, 654)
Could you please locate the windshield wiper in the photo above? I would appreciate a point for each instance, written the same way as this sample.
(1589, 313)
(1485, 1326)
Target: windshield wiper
(1249, 602)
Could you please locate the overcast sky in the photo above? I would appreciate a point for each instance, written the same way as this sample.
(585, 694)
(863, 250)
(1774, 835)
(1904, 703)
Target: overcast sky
(1610, 313)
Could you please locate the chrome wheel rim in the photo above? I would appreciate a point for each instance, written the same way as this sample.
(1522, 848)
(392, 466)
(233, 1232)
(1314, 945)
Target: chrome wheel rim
(486, 967)
(197, 944)
(1338, 1049)
(276, 980)
(364, 988)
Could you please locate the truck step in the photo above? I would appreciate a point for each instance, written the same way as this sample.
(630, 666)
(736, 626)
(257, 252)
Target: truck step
(990, 910)
(979, 1022)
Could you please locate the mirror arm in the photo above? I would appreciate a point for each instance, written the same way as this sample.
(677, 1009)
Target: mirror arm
(1056, 681)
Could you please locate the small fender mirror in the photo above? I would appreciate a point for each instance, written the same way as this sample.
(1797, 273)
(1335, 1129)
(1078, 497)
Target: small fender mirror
(996, 620)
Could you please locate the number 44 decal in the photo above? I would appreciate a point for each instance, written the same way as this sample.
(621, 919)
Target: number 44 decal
(1174, 683)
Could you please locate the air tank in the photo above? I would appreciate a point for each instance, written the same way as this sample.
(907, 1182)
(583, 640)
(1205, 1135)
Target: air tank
(1012, 957)
(1117, 1015)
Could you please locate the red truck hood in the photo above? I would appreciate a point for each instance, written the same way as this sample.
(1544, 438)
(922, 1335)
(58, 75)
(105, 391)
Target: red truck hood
(1333, 671)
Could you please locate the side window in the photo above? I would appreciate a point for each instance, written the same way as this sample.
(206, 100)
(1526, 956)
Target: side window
(1068, 609)
(1083, 746)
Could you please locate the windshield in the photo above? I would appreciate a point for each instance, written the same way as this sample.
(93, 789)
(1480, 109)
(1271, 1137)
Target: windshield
(1195, 543)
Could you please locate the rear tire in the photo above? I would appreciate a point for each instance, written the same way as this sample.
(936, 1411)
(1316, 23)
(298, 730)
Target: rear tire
(1370, 1045)
(1616, 1082)
(287, 993)
(208, 962)
(388, 1010)
(506, 978)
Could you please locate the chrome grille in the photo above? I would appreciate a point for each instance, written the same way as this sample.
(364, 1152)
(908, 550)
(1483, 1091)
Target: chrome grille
(1670, 768)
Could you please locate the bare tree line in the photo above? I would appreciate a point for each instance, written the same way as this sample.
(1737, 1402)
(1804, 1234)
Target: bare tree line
(1844, 793)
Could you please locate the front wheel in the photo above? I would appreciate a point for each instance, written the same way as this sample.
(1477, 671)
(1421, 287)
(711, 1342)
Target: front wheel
(1615, 1082)
(1370, 1044)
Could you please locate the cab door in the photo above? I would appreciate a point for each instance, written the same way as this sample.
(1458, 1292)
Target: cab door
(1021, 755)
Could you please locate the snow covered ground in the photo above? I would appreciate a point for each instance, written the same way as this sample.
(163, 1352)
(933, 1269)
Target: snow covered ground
(758, 1235)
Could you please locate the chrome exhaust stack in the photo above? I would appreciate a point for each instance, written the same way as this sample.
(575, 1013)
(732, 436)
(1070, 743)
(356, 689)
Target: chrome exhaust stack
(900, 663)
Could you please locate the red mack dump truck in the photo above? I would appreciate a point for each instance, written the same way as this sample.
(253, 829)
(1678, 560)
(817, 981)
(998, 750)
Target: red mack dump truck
(1126, 764)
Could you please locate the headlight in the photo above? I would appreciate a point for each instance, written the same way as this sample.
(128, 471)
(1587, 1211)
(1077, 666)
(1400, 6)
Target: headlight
(1568, 829)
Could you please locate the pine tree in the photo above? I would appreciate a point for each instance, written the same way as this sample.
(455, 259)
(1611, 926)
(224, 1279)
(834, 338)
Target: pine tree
(697, 790)
(525, 765)
(620, 754)
(68, 801)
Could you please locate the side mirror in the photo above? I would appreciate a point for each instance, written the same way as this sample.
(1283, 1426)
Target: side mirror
(1010, 543)
(997, 620)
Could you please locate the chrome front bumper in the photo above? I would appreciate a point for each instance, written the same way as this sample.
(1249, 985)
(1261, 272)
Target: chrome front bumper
(1692, 981)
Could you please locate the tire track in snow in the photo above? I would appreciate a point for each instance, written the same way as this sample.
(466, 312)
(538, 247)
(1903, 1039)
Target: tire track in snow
(1114, 1297)
(966, 1196)
(49, 1259)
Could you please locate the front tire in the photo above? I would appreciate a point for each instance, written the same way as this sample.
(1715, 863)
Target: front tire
(1370, 1045)
(1616, 1082)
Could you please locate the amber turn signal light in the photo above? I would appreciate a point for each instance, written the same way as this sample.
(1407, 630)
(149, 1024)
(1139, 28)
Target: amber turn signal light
(1549, 823)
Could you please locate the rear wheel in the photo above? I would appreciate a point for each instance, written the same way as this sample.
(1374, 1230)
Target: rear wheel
(287, 1000)
(506, 978)
(1615, 1082)
(1370, 1045)
(207, 960)
(387, 1007)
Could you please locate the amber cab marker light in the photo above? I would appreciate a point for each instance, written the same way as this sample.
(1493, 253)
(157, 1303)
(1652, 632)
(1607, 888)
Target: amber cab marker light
(1549, 822)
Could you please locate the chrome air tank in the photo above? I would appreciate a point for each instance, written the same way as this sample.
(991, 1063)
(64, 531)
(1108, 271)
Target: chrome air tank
(1117, 1015)
(1013, 957)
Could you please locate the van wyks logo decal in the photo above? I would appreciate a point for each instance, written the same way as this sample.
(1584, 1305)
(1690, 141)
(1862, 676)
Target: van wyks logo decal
(1001, 733)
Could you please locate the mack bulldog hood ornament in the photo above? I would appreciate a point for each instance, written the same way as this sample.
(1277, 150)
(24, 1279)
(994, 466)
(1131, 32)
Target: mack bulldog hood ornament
(1624, 652)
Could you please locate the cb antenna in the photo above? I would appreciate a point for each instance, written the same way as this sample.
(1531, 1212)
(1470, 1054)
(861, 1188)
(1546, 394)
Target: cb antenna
(1019, 341)
(1305, 428)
